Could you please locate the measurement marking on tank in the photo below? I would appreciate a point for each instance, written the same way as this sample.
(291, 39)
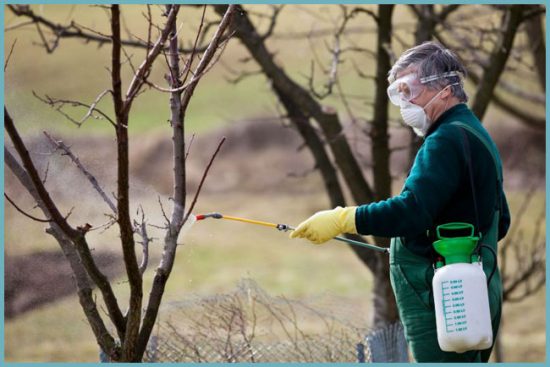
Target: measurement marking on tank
(454, 311)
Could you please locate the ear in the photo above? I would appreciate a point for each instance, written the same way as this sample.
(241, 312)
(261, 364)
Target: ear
(447, 92)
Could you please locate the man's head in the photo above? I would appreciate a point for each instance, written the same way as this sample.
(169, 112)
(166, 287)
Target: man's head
(428, 61)
(428, 76)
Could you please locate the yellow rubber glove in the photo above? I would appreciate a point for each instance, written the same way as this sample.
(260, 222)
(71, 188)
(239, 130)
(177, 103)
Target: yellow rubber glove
(326, 224)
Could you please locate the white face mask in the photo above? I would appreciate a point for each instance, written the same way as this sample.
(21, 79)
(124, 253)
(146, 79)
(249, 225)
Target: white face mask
(415, 116)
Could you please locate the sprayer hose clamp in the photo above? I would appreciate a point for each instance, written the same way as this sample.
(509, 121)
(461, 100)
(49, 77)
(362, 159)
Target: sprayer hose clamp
(283, 227)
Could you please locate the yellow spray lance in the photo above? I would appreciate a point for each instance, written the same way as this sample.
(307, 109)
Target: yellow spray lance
(285, 228)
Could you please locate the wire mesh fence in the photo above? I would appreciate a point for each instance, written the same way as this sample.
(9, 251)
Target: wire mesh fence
(249, 325)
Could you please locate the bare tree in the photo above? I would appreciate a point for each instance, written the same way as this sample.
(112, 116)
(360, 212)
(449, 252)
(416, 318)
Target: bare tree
(302, 107)
(488, 65)
(133, 328)
(522, 260)
(428, 18)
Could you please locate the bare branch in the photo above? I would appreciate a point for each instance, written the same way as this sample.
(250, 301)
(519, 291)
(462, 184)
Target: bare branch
(59, 144)
(192, 206)
(74, 30)
(446, 11)
(189, 146)
(511, 19)
(149, 18)
(24, 213)
(141, 229)
(45, 43)
(145, 67)
(17, 26)
(367, 12)
(135, 280)
(276, 10)
(513, 88)
(58, 105)
(129, 60)
(9, 55)
(75, 235)
(190, 62)
(163, 212)
(31, 170)
(83, 284)
(208, 55)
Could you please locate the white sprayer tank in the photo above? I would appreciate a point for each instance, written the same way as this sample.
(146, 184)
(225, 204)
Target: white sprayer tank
(461, 299)
(462, 312)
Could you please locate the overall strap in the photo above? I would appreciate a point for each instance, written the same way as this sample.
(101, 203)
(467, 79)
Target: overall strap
(492, 150)
(468, 154)
(486, 143)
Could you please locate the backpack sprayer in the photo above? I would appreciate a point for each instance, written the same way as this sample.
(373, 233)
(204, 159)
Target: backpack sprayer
(286, 228)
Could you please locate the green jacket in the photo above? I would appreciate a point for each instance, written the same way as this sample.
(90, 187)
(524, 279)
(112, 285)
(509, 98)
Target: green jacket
(438, 189)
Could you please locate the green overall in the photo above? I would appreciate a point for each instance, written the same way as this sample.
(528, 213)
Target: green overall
(411, 278)
(438, 190)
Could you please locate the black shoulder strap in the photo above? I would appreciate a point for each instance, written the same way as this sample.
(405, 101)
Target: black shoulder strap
(485, 142)
(492, 151)
(468, 155)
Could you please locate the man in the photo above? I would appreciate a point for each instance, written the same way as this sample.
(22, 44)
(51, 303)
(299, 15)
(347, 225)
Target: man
(456, 177)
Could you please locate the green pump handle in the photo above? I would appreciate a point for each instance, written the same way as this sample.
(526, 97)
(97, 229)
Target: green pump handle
(453, 227)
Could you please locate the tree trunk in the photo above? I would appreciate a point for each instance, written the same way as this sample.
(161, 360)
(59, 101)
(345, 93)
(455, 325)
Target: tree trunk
(535, 34)
(327, 120)
(379, 132)
(511, 20)
(384, 300)
(301, 106)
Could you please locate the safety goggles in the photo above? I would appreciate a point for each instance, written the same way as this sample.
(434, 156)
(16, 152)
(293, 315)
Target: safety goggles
(410, 86)
(404, 89)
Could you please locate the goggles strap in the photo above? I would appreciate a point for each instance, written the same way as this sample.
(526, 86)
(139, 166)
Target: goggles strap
(431, 78)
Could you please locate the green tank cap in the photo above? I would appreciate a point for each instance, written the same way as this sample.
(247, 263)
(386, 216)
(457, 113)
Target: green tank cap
(456, 249)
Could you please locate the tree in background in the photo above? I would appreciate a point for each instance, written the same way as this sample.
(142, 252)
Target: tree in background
(133, 327)
(321, 126)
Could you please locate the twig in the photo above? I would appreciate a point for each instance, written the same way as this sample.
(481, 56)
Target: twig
(93, 105)
(24, 213)
(31, 170)
(9, 55)
(77, 31)
(59, 103)
(49, 49)
(273, 21)
(60, 145)
(16, 26)
(188, 67)
(163, 212)
(145, 67)
(141, 229)
(203, 178)
(189, 146)
(46, 171)
(208, 55)
(180, 88)
(149, 26)
(129, 59)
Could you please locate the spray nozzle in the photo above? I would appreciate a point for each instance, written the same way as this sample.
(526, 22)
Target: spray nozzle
(209, 215)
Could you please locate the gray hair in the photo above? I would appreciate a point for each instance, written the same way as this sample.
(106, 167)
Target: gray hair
(429, 59)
